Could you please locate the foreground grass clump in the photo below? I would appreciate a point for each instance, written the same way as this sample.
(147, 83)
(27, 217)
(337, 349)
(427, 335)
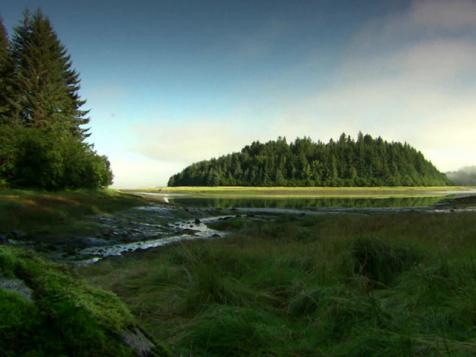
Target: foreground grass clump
(379, 285)
(380, 261)
(44, 311)
(45, 213)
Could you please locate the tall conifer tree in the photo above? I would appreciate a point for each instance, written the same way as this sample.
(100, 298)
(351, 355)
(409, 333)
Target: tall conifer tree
(45, 93)
(5, 69)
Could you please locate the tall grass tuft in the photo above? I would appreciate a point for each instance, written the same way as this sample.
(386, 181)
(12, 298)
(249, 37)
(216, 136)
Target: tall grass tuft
(380, 261)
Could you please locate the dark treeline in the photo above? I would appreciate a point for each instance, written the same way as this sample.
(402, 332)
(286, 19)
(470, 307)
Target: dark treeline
(42, 123)
(347, 162)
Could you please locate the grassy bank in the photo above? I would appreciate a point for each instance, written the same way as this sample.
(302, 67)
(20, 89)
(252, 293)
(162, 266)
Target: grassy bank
(46, 311)
(38, 213)
(393, 285)
(234, 191)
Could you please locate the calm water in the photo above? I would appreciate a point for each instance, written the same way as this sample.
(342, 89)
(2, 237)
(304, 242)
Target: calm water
(222, 202)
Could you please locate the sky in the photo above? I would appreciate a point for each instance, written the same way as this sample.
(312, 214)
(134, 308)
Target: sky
(171, 82)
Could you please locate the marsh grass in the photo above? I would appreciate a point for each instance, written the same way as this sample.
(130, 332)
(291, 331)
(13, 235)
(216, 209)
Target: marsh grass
(288, 192)
(55, 213)
(344, 285)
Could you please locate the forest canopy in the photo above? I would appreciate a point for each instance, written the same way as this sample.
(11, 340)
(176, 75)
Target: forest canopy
(42, 124)
(365, 161)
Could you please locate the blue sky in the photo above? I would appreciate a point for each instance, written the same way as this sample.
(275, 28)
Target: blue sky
(172, 82)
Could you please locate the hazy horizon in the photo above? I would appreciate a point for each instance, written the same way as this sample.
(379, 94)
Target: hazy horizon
(173, 82)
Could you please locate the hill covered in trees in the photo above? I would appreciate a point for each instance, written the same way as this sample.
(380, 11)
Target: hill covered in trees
(42, 123)
(347, 162)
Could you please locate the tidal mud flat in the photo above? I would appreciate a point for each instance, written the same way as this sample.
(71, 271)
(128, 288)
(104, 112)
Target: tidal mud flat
(162, 223)
(167, 220)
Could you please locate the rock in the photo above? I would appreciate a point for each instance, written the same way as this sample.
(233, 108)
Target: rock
(142, 345)
(3, 239)
(197, 221)
(17, 234)
(189, 231)
(17, 286)
(51, 247)
(91, 242)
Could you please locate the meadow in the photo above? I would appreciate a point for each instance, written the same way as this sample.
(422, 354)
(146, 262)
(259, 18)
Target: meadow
(343, 285)
(395, 283)
(276, 191)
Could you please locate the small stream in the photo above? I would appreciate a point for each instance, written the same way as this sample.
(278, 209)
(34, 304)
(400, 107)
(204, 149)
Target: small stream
(193, 229)
(159, 223)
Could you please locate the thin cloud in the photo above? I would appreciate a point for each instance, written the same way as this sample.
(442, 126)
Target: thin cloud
(407, 77)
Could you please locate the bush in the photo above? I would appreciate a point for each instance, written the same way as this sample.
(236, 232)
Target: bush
(50, 160)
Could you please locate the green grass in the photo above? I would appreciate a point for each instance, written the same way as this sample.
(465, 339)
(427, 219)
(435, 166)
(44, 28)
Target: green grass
(237, 191)
(66, 316)
(379, 285)
(55, 213)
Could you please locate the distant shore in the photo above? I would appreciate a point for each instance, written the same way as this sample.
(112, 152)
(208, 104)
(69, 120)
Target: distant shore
(247, 191)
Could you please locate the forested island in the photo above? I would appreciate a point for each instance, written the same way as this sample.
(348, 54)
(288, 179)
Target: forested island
(366, 161)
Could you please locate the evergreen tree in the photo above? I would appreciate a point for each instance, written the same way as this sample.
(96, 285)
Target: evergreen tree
(5, 72)
(41, 120)
(45, 90)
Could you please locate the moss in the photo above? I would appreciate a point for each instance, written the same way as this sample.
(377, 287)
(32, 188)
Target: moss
(66, 314)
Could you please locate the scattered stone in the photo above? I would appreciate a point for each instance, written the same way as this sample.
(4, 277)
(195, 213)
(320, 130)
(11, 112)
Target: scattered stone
(17, 286)
(189, 231)
(17, 234)
(92, 241)
(3, 239)
(139, 342)
(51, 247)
